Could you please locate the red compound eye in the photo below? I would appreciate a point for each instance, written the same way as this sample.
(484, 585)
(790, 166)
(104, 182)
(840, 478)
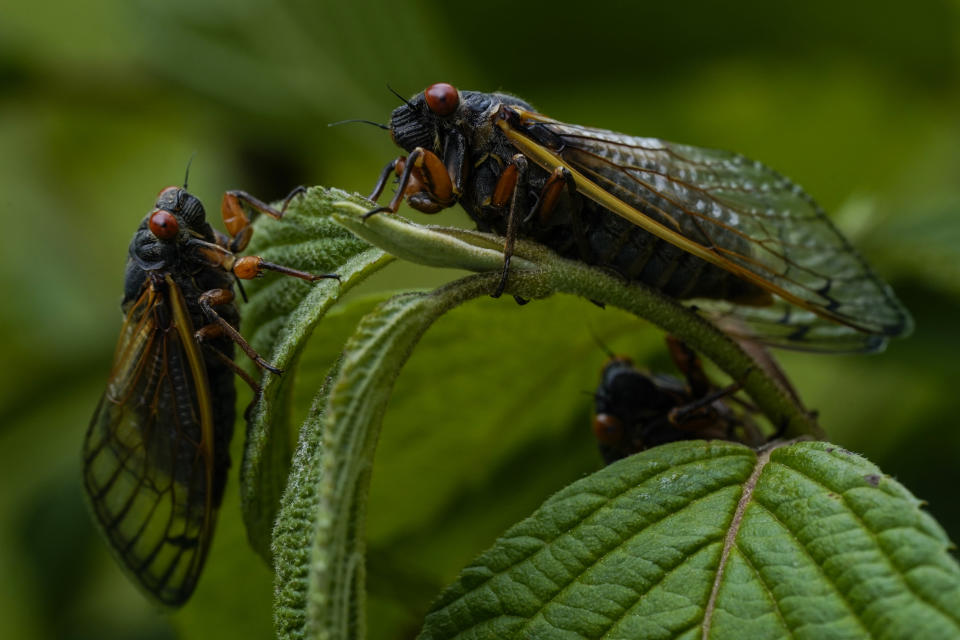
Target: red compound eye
(607, 429)
(164, 225)
(442, 98)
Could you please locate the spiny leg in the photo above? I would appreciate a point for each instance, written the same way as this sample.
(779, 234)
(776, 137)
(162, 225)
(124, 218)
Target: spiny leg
(678, 416)
(689, 365)
(210, 331)
(214, 330)
(384, 176)
(213, 297)
(512, 184)
(249, 267)
(234, 207)
(423, 180)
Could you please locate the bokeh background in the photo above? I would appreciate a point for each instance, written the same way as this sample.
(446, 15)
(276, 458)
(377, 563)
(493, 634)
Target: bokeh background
(102, 103)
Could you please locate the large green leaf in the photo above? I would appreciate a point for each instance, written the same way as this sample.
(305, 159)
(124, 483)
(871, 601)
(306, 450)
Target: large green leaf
(694, 540)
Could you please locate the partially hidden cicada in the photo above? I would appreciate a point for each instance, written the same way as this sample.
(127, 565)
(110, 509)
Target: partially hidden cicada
(635, 410)
(746, 244)
(156, 452)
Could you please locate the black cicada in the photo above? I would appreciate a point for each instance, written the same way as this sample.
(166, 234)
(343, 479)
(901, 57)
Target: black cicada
(753, 248)
(636, 411)
(156, 452)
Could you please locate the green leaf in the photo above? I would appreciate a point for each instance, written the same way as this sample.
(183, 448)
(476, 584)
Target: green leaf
(320, 541)
(696, 539)
(280, 317)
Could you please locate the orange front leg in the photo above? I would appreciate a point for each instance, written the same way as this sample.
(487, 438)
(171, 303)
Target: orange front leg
(234, 209)
(423, 181)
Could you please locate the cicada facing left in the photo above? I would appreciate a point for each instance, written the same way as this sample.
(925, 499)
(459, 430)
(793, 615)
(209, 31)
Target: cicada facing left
(696, 224)
(156, 452)
(634, 410)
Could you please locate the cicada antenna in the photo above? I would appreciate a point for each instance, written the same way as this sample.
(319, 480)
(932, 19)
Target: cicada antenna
(186, 174)
(407, 102)
(376, 124)
(600, 343)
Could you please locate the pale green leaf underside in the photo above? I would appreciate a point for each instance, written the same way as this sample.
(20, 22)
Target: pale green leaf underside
(278, 320)
(695, 540)
(321, 523)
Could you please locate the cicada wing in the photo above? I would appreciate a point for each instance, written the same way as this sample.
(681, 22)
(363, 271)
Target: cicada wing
(730, 211)
(787, 326)
(148, 450)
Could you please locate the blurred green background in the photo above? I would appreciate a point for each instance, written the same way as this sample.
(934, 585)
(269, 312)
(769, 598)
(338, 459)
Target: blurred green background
(102, 103)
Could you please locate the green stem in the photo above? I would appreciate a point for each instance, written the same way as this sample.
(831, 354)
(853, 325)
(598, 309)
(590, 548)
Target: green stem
(537, 272)
(565, 276)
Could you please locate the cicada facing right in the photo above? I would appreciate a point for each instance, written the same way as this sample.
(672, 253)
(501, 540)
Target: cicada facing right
(156, 451)
(743, 242)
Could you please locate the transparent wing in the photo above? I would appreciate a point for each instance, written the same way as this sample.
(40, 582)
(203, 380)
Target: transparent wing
(737, 214)
(787, 326)
(147, 453)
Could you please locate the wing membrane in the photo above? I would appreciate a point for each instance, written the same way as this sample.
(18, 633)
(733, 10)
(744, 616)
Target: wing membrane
(148, 450)
(737, 214)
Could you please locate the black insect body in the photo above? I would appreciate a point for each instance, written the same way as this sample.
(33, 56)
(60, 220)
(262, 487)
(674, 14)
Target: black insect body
(635, 411)
(749, 245)
(156, 452)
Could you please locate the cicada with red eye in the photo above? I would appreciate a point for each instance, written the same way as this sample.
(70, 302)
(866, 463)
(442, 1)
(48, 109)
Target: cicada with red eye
(156, 452)
(635, 411)
(740, 241)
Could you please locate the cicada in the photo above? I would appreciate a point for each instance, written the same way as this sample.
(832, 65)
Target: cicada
(636, 410)
(156, 452)
(742, 242)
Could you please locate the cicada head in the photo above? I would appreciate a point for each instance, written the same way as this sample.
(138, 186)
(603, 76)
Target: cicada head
(159, 242)
(413, 125)
(427, 118)
(633, 395)
(183, 205)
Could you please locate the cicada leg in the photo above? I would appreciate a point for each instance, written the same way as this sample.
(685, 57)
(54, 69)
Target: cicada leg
(208, 300)
(685, 416)
(690, 366)
(250, 267)
(214, 330)
(388, 170)
(509, 191)
(234, 208)
(740, 424)
(423, 180)
(234, 211)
